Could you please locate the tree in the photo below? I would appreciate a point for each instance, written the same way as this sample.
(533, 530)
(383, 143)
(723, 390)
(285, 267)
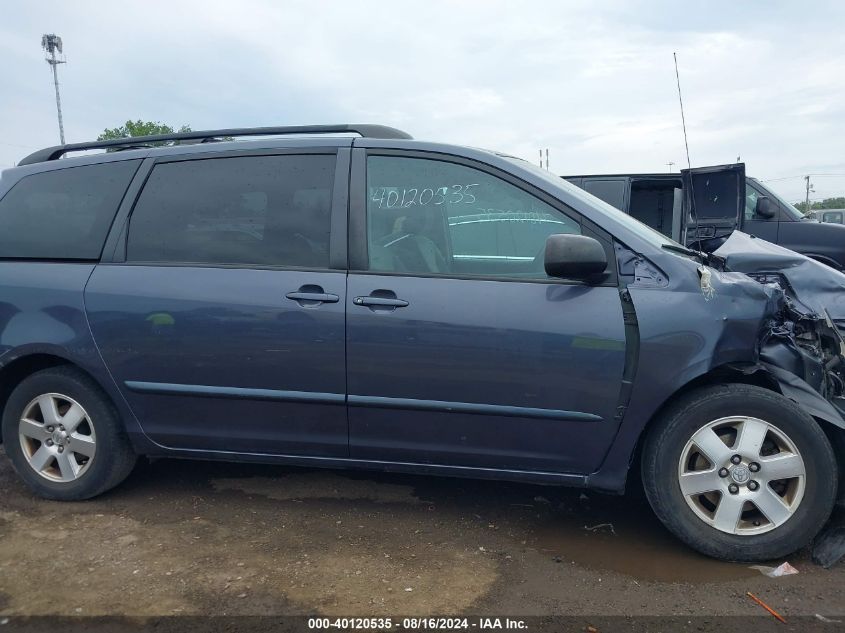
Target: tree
(140, 128)
(827, 203)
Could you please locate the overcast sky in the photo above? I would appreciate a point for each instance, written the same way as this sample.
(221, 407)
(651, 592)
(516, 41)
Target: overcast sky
(592, 81)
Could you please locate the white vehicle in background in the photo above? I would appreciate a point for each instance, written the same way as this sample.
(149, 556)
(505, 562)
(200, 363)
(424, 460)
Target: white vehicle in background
(832, 216)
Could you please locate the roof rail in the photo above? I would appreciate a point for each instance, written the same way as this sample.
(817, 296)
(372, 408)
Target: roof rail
(366, 130)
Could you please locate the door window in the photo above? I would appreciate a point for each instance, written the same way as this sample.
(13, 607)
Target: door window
(264, 210)
(835, 217)
(435, 217)
(751, 196)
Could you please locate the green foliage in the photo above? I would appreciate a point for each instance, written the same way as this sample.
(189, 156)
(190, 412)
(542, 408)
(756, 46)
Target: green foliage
(827, 203)
(140, 128)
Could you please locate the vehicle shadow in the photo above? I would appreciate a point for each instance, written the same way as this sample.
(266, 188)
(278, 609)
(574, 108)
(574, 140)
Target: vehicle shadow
(598, 531)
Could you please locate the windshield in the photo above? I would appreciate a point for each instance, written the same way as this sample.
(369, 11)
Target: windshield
(790, 210)
(643, 231)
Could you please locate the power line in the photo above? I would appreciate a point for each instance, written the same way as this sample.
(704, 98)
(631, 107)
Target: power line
(19, 145)
(802, 176)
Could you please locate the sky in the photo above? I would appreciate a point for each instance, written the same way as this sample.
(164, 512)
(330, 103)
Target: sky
(594, 82)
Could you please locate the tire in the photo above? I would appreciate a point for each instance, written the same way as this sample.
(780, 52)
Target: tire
(675, 469)
(96, 454)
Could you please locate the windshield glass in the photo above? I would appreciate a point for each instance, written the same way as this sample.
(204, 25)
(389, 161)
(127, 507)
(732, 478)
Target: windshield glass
(643, 231)
(790, 210)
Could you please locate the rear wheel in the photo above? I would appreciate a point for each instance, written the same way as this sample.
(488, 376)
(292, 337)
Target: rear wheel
(739, 473)
(64, 437)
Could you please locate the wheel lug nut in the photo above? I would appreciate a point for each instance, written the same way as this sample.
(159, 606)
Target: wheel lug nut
(753, 485)
(733, 488)
(736, 459)
(723, 472)
(49, 442)
(50, 429)
(754, 467)
(61, 448)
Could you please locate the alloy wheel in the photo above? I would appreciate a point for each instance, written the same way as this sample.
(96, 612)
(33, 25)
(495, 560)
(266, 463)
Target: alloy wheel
(57, 437)
(742, 475)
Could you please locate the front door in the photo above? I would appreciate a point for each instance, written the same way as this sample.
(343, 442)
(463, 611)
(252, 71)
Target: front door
(461, 350)
(224, 326)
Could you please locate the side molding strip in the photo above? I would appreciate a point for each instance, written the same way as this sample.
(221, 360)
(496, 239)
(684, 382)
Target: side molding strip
(377, 402)
(469, 407)
(165, 388)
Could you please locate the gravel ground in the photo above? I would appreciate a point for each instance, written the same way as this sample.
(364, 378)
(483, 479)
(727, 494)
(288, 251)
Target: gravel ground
(205, 538)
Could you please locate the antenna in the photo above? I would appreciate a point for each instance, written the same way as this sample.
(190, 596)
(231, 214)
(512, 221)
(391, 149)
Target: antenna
(52, 43)
(686, 146)
(681, 101)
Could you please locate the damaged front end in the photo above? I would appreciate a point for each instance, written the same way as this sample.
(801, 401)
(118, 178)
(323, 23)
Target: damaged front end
(802, 347)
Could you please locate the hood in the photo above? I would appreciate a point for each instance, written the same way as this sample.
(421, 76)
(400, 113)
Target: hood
(814, 286)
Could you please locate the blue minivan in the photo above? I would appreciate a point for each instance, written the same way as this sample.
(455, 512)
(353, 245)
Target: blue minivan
(345, 296)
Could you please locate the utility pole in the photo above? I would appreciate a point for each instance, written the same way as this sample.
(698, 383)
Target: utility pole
(52, 43)
(547, 159)
(669, 165)
(807, 199)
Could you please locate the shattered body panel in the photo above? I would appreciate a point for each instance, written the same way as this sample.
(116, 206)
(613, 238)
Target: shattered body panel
(804, 348)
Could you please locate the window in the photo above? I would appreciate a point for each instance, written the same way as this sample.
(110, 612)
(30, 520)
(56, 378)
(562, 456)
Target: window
(751, 197)
(264, 210)
(835, 217)
(63, 214)
(430, 216)
(611, 191)
(715, 194)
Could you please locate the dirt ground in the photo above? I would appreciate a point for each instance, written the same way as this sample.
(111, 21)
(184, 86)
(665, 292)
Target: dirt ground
(202, 538)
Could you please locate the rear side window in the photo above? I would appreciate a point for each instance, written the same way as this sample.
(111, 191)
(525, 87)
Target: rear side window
(715, 194)
(611, 191)
(63, 214)
(264, 210)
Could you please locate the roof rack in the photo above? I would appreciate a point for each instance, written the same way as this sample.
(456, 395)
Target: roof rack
(366, 130)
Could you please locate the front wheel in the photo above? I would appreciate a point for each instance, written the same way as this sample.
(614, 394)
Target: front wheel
(739, 473)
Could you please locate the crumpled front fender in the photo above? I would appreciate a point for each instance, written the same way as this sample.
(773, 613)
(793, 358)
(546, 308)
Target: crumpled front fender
(804, 395)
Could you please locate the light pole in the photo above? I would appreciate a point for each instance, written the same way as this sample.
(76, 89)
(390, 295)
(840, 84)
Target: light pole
(51, 44)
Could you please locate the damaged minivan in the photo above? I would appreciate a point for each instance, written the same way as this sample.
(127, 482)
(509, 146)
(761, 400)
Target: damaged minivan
(347, 297)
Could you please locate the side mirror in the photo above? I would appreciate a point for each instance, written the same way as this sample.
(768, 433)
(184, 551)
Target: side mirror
(765, 208)
(574, 256)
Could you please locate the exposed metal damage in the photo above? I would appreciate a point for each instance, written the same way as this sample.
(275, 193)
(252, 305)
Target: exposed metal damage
(801, 344)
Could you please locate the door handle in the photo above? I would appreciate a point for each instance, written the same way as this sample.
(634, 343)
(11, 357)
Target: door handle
(322, 297)
(382, 302)
(311, 295)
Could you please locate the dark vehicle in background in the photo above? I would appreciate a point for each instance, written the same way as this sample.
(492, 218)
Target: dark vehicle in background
(833, 216)
(704, 205)
(313, 298)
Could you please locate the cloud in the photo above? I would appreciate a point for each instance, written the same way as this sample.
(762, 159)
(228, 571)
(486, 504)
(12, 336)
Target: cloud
(593, 82)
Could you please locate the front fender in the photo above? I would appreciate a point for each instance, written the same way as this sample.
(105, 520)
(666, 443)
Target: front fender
(804, 395)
